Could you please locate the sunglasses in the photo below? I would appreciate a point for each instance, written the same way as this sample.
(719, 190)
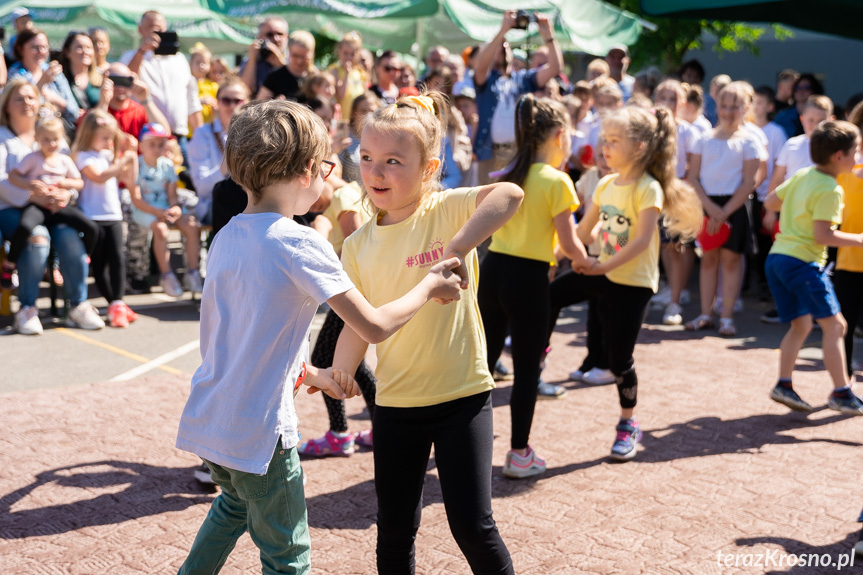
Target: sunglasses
(231, 101)
(327, 168)
(392, 69)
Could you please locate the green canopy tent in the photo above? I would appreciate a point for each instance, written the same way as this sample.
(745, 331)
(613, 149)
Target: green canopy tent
(839, 17)
(404, 25)
(192, 19)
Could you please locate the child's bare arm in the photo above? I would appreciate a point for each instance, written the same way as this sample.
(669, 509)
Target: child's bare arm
(495, 205)
(140, 203)
(570, 244)
(71, 184)
(171, 190)
(824, 234)
(318, 379)
(16, 178)
(376, 324)
(350, 351)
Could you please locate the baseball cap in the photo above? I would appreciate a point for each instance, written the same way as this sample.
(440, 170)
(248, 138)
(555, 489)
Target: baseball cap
(153, 131)
(19, 12)
(464, 91)
(622, 47)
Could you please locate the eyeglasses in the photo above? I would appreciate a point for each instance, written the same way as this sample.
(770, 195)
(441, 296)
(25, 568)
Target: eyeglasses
(231, 101)
(803, 88)
(392, 69)
(327, 168)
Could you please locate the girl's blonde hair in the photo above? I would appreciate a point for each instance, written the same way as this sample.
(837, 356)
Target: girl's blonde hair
(675, 86)
(51, 124)
(427, 127)
(94, 121)
(313, 81)
(682, 214)
(536, 120)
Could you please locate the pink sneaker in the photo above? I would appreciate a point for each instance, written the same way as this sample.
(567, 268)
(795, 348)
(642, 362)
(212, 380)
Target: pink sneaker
(364, 438)
(329, 444)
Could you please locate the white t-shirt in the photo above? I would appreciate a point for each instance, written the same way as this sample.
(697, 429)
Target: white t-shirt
(99, 202)
(266, 277)
(721, 170)
(776, 138)
(172, 87)
(503, 119)
(687, 137)
(703, 124)
(794, 155)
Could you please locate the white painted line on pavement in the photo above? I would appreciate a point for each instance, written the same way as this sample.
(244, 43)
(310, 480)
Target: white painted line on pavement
(158, 362)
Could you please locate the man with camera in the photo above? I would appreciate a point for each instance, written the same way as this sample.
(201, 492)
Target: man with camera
(498, 89)
(127, 98)
(167, 75)
(266, 54)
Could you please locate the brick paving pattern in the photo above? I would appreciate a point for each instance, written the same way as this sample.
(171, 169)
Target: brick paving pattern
(92, 484)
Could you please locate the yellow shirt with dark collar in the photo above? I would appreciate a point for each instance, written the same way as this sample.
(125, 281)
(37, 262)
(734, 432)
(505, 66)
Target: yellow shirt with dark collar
(851, 259)
(530, 233)
(440, 354)
(619, 207)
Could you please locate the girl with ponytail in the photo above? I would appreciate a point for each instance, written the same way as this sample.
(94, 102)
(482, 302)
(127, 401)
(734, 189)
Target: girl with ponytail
(434, 387)
(513, 293)
(640, 147)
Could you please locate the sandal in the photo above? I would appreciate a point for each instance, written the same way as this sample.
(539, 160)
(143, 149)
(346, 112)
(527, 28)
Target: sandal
(726, 327)
(700, 323)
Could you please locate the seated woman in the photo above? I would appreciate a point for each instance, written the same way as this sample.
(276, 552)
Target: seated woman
(19, 109)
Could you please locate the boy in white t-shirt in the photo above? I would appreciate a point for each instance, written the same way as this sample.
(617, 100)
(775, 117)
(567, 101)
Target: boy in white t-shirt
(266, 278)
(795, 154)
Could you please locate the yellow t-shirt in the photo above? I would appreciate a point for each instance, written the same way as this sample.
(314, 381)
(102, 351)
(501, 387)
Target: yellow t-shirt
(440, 354)
(348, 198)
(530, 233)
(619, 207)
(207, 87)
(357, 83)
(851, 259)
(808, 196)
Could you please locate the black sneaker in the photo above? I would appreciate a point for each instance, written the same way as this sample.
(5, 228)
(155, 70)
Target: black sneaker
(6, 272)
(771, 316)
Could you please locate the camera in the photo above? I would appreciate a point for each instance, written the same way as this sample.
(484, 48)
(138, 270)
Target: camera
(169, 43)
(522, 19)
(265, 50)
(122, 81)
(2, 32)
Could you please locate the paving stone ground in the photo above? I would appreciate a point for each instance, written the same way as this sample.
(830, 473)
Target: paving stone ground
(90, 482)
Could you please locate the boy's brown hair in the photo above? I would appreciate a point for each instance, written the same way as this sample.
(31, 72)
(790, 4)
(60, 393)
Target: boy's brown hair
(822, 103)
(831, 137)
(273, 141)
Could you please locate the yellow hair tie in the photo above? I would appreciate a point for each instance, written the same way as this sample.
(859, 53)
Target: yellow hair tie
(423, 102)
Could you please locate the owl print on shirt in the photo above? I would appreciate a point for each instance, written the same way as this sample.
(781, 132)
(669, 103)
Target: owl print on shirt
(614, 230)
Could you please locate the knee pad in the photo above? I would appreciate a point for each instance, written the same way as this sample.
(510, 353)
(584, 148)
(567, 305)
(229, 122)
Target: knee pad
(627, 388)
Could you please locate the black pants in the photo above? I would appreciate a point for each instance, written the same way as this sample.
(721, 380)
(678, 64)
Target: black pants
(108, 262)
(597, 356)
(461, 432)
(513, 298)
(322, 356)
(33, 215)
(620, 312)
(849, 292)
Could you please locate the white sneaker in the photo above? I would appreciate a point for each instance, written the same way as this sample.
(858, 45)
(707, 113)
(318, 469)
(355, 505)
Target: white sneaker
(171, 285)
(672, 315)
(194, 281)
(663, 298)
(27, 321)
(598, 376)
(84, 316)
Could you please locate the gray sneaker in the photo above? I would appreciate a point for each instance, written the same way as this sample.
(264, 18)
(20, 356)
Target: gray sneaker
(194, 282)
(171, 285)
(547, 390)
(845, 402)
(788, 397)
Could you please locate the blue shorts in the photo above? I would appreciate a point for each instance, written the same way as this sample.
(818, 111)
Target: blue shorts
(800, 288)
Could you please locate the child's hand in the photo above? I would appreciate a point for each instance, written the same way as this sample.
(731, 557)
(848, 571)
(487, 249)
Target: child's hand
(346, 382)
(446, 282)
(581, 267)
(173, 214)
(322, 380)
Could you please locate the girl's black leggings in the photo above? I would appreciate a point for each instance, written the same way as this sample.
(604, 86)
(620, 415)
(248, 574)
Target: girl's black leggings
(620, 310)
(322, 356)
(513, 294)
(461, 433)
(849, 292)
(108, 261)
(33, 215)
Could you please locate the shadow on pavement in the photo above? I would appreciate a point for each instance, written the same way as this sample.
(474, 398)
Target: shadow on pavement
(713, 436)
(133, 490)
(811, 559)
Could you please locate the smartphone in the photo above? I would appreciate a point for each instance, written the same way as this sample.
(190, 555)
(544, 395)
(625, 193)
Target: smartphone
(169, 43)
(343, 130)
(122, 81)
(2, 32)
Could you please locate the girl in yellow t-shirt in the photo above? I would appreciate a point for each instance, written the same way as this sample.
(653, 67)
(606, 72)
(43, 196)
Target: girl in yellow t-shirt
(434, 385)
(641, 150)
(351, 78)
(513, 292)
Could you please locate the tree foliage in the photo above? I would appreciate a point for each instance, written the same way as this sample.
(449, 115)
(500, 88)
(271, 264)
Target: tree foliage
(667, 46)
